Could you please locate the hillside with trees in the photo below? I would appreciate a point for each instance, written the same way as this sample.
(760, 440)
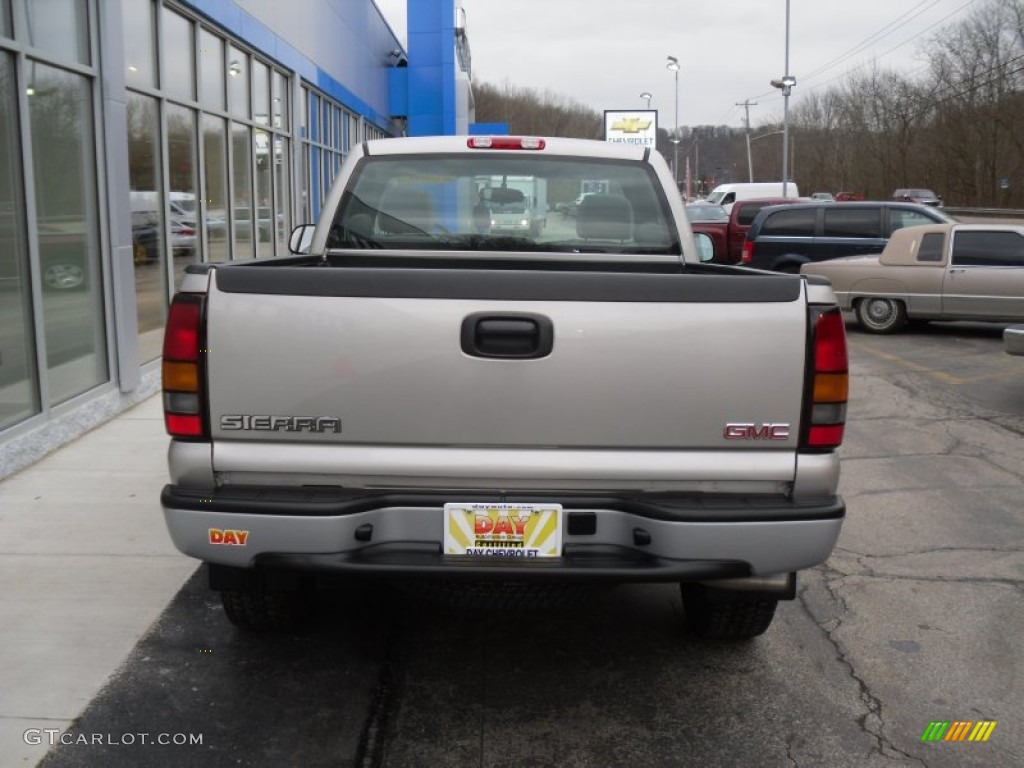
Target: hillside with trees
(956, 125)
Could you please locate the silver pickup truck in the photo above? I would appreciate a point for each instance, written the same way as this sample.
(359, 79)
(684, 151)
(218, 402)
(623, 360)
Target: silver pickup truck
(413, 397)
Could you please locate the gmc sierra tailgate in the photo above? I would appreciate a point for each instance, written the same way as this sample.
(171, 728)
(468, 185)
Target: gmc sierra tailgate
(573, 373)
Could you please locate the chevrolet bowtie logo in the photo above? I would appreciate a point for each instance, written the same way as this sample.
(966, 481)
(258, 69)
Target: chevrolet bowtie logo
(631, 125)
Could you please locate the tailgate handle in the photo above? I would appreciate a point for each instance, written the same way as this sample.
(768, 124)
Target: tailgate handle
(507, 336)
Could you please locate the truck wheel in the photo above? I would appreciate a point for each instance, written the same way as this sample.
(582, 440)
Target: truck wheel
(722, 614)
(258, 609)
(881, 315)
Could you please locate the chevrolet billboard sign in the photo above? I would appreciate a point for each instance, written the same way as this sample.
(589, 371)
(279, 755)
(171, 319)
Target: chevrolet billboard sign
(638, 127)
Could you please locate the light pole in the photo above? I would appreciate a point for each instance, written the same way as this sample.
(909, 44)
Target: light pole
(648, 96)
(750, 140)
(673, 64)
(785, 85)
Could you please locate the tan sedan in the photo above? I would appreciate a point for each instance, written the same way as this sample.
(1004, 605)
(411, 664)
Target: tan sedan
(933, 272)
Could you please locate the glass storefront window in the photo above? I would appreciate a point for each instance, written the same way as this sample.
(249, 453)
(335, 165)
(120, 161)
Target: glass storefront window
(238, 82)
(148, 226)
(260, 93)
(211, 70)
(264, 195)
(314, 183)
(215, 202)
(247, 225)
(279, 100)
(178, 55)
(314, 117)
(139, 46)
(181, 177)
(303, 192)
(64, 170)
(18, 380)
(5, 18)
(325, 129)
(282, 196)
(59, 27)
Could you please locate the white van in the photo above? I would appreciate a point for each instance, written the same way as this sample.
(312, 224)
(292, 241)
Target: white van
(727, 194)
(181, 204)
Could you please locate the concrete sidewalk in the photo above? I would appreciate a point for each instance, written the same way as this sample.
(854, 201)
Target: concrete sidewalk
(86, 566)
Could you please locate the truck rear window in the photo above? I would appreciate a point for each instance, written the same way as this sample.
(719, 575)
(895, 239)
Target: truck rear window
(499, 201)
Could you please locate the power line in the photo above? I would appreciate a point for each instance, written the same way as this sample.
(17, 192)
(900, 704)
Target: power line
(888, 29)
(895, 48)
(857, 48)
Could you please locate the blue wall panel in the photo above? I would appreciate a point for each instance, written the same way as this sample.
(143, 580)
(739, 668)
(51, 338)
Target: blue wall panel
(432, 104)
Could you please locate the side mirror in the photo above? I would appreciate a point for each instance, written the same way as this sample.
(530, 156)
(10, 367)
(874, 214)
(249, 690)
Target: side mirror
(705, 246)
(301, 237)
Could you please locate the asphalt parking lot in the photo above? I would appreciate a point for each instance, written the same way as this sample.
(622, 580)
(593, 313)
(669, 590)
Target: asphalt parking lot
(915, 619)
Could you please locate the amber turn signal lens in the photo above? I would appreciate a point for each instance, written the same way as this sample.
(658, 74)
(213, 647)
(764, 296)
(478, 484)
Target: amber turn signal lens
(180, 377)
(831, 387)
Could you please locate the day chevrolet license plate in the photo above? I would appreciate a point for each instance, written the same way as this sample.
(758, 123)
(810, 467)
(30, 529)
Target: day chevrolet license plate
(527, 531)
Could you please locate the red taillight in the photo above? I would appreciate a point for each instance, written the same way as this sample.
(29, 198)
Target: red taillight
(182, 382)
(830, 343)
(181, 336)
(183, 426)
(748, 252)
(829, 388)
(505, 142)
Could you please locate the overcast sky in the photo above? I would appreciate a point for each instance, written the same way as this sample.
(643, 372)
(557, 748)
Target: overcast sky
(604, 53)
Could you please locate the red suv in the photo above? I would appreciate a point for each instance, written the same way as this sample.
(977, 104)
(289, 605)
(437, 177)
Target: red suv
(922, 196)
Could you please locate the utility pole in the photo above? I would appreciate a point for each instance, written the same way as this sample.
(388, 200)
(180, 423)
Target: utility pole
(750, 163)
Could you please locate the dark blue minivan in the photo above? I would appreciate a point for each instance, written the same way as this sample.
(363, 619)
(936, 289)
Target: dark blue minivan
(783, 237)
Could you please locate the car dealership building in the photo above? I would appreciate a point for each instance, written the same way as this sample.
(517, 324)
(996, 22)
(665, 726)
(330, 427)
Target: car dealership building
(140, 136)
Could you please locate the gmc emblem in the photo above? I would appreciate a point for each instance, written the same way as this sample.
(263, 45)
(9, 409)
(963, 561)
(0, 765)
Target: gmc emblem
(740, 431)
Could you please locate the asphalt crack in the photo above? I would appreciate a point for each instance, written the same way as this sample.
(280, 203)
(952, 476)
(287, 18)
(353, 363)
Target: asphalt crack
(386, 701)
(869, 571)
(871, 722)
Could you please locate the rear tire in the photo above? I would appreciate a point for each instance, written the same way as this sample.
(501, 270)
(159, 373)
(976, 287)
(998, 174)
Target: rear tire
(722, 614)
(258, 609)
(881, 315)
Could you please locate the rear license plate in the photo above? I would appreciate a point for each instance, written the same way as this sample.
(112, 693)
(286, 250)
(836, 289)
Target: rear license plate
(527, 531)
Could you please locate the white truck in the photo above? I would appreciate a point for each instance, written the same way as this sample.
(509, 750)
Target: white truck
(516, 204)
(727, 194)
(413, 399)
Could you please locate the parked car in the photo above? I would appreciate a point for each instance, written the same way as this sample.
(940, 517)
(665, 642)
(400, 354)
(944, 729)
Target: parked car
(922, 196)
(783, 237)
(145, 236)
(67, 258)
(146, 207)
(726, 195)
(728, 236)
(701, 211)
(935, 272)
(846, 197)
(824, 197)
(217, 223)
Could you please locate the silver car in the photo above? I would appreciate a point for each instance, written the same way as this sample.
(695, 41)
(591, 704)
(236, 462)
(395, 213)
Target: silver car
(933, 272)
